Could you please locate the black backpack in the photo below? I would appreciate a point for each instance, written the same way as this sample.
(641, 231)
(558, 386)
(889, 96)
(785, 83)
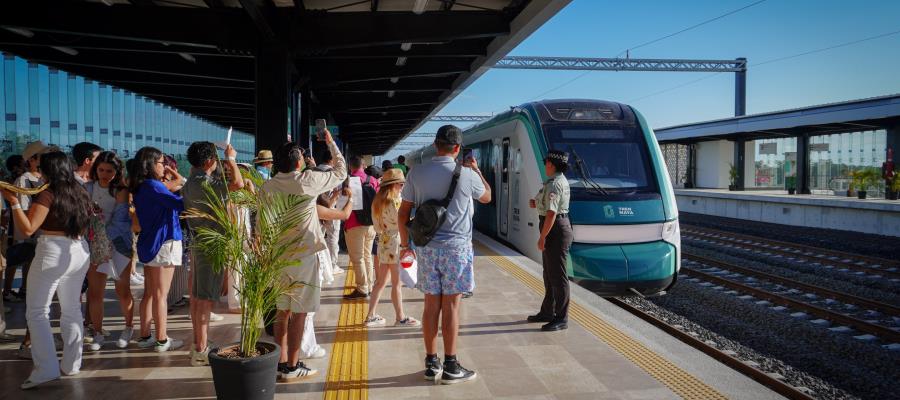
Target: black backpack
(431, 214)
(364, 216)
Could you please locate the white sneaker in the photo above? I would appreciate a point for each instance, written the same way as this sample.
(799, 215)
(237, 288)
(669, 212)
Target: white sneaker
(319, 353)
(408, 322)
(337, 270)
(375, 320)
(97, 343)
(147, 343)
(296, 373)
(170, 344)
(213, 317)
(136, 280)
(200, 358)
(125, 337)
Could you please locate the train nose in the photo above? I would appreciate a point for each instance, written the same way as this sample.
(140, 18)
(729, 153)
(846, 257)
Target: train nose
(618, 269)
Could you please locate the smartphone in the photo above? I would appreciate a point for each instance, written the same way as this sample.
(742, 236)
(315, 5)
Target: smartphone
(468, 153)
(320, 129)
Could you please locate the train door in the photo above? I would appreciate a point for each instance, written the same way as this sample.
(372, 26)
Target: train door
(503, 208)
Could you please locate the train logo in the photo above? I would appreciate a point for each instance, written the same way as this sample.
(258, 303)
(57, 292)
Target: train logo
(626, 211)
(608, 211)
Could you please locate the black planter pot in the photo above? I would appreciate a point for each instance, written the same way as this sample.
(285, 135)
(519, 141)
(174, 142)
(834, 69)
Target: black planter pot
(890, 195)
(792, 190)
(245, 378)
(732, 187)
(861, 194)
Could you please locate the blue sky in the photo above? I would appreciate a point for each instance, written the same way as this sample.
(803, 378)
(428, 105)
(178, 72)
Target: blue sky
(767, 31)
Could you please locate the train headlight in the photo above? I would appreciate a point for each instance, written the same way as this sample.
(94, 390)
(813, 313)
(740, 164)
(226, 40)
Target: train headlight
(671, 233)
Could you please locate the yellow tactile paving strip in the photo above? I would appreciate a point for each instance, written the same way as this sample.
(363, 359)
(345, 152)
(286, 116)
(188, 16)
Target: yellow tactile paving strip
(348, 370)
(679, 381)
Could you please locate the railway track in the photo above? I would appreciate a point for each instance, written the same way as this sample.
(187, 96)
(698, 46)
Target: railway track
(885, 333)
(866, 264)
(844, 297)
(768, 380)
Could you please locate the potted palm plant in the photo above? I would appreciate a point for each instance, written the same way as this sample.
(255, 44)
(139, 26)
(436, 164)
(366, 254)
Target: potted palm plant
(790, 182)
(863, 180)
(895, 187)
(247, 369)
(732, 176)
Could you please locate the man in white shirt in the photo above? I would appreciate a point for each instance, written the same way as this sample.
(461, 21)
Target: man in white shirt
(294, 178)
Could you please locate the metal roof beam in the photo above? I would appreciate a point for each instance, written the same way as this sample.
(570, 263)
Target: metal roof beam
(200, 27)
(621, 64)
(456, 48)
(353, 30)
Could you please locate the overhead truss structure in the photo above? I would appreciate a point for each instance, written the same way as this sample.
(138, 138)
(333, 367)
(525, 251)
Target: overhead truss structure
(621, 64)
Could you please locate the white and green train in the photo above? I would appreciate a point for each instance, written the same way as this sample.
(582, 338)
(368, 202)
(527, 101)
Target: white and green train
(623, 212)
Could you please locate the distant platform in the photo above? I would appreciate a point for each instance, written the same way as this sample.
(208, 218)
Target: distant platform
(875, 216)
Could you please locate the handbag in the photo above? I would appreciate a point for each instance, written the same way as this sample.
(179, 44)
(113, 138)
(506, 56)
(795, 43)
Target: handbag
(100, 245)
(431, 214)
(409, 276)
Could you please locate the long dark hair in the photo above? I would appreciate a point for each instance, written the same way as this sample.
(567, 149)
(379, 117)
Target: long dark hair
(142, 167)
(110, 158)
(71, 204)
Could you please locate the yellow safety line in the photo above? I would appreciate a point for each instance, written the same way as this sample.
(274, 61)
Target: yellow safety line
(678, 380)
(348, 371)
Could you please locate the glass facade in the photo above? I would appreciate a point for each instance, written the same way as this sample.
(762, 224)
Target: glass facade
(831, 160)
(42, 103)
(833, 157)
(774, 159)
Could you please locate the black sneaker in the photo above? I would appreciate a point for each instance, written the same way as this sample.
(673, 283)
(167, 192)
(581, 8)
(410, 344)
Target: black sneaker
(356, 295)
(298, 372)
(433, 369)
(539, 318)
(455, 373)
(282, 368)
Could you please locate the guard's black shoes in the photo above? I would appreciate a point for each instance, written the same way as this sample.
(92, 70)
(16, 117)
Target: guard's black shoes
(433, 369)
(455, 373)
(356, 294)
(556, 325)
(539, 318)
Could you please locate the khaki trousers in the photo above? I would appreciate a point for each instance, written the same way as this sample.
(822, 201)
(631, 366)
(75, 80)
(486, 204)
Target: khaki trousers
(359, 244)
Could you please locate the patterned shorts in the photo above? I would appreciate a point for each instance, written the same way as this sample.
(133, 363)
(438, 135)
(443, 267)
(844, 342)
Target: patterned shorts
(445, 271)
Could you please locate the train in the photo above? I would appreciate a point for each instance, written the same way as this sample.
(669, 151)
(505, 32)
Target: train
(627, 240)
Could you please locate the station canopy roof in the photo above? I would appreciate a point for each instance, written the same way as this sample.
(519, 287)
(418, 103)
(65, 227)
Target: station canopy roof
(849, 116)
(379, 68)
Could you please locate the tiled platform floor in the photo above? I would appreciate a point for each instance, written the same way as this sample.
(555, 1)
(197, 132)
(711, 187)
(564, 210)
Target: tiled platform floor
(513, 358)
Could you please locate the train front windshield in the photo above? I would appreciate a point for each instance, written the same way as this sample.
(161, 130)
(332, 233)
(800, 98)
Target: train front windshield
(612, 161)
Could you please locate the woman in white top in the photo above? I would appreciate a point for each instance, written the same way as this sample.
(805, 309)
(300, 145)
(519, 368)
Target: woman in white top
(110, 196)
(384, 215)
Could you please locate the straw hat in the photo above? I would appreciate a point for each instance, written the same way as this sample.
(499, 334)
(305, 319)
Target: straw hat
(392, 176)
(35, 148)
(263, 156)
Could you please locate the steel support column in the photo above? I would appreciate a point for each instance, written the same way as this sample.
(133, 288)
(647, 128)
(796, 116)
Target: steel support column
(739, 146)
(740, 90)
(691, 167)
(893, 142)
(802, 178)
(272, 96)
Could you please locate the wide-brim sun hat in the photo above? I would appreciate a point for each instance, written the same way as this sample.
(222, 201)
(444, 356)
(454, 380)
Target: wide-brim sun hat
(392, 176)
(263, 156)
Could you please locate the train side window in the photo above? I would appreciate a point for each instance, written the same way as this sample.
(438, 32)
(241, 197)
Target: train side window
(517, 163)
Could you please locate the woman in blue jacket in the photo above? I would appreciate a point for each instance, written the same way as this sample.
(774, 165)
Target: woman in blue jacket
(159, 243)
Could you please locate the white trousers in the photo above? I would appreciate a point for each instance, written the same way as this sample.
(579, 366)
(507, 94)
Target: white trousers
(332, 241)
(59, 266)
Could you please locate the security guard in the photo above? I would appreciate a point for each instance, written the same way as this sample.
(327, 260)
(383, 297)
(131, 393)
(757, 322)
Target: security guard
(552, 203)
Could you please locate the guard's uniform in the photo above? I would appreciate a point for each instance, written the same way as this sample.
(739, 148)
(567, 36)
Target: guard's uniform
(554, 196)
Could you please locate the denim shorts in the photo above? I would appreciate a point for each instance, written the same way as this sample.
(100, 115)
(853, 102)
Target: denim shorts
(446, 270)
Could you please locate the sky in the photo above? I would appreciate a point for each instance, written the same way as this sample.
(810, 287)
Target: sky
(766, 31)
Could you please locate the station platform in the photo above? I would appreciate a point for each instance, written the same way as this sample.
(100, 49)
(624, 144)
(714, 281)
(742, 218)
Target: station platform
(874, 216)
(605, 354)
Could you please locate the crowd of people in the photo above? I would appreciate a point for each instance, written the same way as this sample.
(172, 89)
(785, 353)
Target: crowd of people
(75, 221)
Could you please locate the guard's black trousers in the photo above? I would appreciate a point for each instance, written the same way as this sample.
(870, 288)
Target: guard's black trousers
(556, 284)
